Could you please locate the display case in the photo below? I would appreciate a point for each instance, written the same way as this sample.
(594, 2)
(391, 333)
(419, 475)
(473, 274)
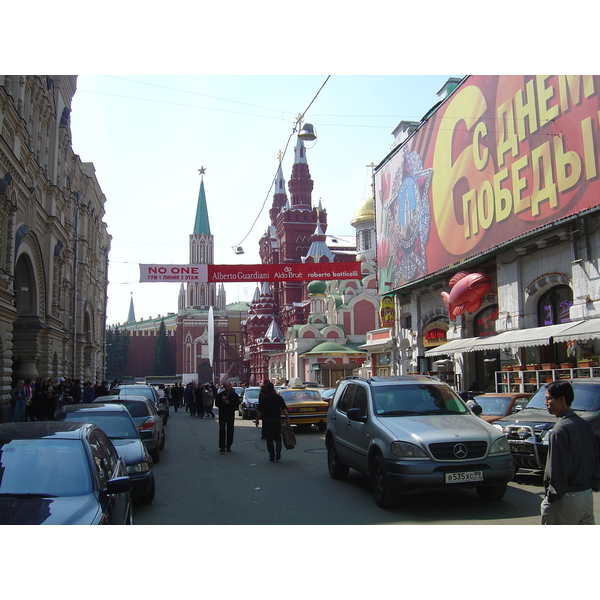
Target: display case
(529, 381)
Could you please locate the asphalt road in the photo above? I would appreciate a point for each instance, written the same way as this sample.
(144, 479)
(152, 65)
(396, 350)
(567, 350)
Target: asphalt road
(197, 485)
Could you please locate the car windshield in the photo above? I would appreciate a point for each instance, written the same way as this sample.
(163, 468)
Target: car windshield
(394, 400)
(115, 425)
(46, 467)
(251, 394)
(300, 396)
(587, 397)
(493, 405)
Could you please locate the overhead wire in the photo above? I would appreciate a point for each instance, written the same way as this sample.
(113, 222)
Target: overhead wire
(299, 120)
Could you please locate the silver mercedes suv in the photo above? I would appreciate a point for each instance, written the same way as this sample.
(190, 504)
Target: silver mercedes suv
(412, 434)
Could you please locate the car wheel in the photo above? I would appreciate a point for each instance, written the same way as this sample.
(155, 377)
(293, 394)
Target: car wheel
(385, 496)
(150, 495)
(155, 456)
(164, 416)
(162, 442)
(322, 426)
(492, 492)
(337, 469)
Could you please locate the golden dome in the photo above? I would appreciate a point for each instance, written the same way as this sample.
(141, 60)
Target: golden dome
(365, 211)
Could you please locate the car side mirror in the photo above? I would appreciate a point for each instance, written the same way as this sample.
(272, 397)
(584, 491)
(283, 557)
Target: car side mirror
(355, 414)
(118, 485)
(517, 408)
(476, 410)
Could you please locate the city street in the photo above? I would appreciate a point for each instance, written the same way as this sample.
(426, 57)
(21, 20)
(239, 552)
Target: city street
(195, 484)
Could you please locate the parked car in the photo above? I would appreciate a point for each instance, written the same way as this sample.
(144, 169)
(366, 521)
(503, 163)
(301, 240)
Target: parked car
(496, 406)
(305, 405)
(143, 389)
(527, 431)
(249, 402)
(116, 422)
(61, 474)
(411, 434)
(147, 420)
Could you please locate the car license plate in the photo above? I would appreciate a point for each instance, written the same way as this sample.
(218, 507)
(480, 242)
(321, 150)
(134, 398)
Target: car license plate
(464, 477)
(521, 448)
(307, 409)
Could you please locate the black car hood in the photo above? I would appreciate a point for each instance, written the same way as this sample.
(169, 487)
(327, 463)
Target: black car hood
(532, 415)
(132, 451)
(72, 510)
(535, 415)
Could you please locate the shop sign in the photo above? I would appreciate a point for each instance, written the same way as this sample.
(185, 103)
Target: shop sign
(435, 334)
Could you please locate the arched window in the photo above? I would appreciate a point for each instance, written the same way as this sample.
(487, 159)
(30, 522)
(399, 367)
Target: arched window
(554, 306)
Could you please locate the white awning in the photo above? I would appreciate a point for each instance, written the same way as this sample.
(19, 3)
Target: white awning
(523, 338)
(452, 347)
(377, 347)
(583, 330)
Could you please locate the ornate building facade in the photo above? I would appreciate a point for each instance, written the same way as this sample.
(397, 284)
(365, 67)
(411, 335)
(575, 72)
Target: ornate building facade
(310, 330)
(54, 244)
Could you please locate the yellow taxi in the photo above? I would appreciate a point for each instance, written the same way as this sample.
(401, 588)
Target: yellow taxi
(305, 404)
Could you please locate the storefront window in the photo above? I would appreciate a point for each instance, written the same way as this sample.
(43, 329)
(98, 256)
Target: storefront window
(554, 306)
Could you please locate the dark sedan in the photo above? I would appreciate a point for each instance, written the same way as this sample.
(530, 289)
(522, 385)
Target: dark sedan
(116, 422)
(61, 474)
(143, 389)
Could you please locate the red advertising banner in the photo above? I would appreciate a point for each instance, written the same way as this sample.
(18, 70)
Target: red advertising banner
(501, 157)
(241, 273)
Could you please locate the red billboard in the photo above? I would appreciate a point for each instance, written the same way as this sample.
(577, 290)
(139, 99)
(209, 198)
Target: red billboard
(502, 156)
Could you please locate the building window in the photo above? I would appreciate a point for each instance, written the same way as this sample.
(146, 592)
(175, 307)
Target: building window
(554, 306)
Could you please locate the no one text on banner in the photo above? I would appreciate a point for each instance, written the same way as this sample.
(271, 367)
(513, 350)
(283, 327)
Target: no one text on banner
(242, 273)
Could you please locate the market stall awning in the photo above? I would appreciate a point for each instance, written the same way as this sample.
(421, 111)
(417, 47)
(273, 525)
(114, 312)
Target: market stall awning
(452, 347)
(583, 330)
(523, 338)
(375, 347)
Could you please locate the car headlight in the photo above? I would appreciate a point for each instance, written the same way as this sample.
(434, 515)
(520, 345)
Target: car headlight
(499, 427)
(142, 467)
(500, 446)
(407, 450)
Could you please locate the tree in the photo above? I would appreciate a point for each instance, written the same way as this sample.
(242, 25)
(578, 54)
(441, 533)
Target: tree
(162, 364)
(117, 353)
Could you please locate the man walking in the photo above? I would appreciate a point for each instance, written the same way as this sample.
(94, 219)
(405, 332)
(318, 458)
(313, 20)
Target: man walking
(227, 402)
(573, 466)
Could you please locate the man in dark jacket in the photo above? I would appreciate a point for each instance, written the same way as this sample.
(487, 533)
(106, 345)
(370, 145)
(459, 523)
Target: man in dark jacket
(572, 467)
(270, 408)
(228, 403)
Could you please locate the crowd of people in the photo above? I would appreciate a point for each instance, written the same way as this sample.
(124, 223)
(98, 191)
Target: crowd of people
(41, 400)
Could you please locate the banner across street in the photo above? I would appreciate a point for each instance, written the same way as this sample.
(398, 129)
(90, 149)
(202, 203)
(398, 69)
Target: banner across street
(241, 273)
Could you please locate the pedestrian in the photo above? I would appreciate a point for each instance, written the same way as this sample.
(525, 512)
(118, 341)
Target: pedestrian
(573, 465)
(198, 399)
(102, 390)
(29, 400)
(18, 399)
(177, 394)
(88, 392)
(51, 400)
(228, 403)
(207, 401)
(271, 406)
(190, 398)
(38, 399)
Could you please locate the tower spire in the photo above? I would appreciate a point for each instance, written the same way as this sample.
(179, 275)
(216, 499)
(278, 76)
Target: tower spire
(201, 225)
(131, 316)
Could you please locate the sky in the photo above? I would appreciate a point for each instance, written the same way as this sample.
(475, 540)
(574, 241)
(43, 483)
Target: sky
(148, 136)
